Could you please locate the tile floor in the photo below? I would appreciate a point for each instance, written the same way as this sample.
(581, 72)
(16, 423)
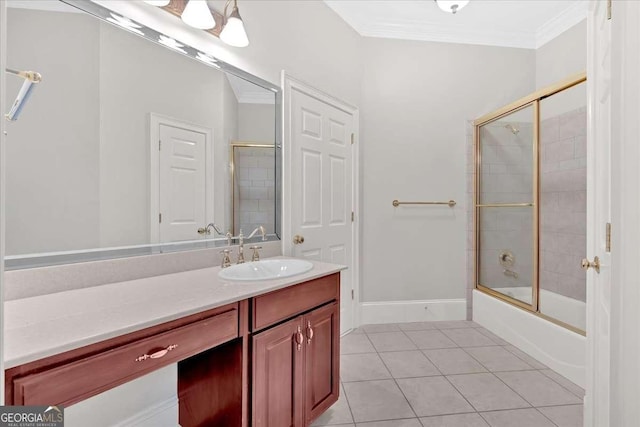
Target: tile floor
(447, 374)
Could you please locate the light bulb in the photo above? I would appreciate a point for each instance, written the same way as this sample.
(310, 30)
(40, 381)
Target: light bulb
(159, 3)
(451, 6)
(125, 23)
(233, 32)
(197, 14)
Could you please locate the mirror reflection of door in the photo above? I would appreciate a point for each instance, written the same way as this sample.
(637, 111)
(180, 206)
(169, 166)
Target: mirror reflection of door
(183, 153)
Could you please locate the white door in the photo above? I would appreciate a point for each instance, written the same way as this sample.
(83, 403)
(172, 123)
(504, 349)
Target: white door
(597, 399)
(321, 198)
(182, 192)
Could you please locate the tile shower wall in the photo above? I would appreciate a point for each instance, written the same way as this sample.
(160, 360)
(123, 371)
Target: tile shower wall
(563, 206)
(255, 168)
(507, 164)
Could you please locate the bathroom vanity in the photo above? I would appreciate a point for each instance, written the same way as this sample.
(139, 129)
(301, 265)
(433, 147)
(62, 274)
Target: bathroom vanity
(256, 353)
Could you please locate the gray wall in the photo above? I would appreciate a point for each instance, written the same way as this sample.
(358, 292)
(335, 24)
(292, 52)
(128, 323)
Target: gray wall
(52, 200)
(256, 123)
(230, 131)
(416, 98)
(563, 56)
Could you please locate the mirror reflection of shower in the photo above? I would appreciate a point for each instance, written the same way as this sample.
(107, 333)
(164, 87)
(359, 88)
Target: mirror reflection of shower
(514, 130)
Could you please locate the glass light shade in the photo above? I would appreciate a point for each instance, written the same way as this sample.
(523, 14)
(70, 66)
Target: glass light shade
(451, 6)
(233, 32)
(197, 14)
(158, 3)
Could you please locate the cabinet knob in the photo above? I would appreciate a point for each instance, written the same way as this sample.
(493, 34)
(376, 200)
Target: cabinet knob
(298, 239)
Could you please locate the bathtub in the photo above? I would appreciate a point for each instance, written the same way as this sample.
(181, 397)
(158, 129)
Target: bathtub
(565, 309)
(560, 349)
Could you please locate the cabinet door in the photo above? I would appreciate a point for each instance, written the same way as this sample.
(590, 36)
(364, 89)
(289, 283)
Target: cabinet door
(277, 376)
(322, 360)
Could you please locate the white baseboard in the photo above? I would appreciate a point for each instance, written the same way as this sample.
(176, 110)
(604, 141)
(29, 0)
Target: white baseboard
(164, 414)
(413, 311)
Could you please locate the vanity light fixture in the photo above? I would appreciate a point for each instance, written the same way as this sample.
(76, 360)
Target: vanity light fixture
(197, 14)
(451, 6)
(171, 43)
(209, 60)
(233, 32)
(125, 23)
(228, 27)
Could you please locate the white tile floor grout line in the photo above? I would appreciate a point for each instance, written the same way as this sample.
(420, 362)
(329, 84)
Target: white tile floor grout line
(565, 385)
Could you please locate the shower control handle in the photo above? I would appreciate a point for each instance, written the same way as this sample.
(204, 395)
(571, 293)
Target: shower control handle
(586, 264)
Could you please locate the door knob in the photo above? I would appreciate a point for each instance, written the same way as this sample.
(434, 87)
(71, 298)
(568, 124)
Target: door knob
(298, 239)
(595, 264)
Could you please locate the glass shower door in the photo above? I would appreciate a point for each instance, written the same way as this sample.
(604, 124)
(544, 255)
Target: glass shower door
(563, 206)
(506, 215)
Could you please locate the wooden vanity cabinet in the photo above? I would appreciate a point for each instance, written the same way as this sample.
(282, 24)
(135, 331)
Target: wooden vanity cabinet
(321, 360)
(270, 361)
(277, 376)
(73, 376)
(295, 364)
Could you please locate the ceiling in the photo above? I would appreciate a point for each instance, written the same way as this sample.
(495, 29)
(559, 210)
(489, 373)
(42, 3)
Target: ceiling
(250, 93)
(511, 23)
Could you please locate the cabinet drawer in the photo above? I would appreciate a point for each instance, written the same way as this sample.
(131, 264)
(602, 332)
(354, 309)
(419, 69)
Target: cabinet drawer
(80, 379)
(285, 303)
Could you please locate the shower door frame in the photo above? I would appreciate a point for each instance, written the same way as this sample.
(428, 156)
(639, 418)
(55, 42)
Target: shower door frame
(531, 100)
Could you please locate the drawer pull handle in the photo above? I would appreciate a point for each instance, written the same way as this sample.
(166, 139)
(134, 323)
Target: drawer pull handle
(299, 338)
(157, 355)
(309, 333)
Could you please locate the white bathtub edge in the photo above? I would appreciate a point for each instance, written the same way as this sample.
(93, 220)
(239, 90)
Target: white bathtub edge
(560, 349)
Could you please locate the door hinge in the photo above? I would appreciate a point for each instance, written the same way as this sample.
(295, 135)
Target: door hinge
(353, 294)
(160, 218)
(353, 216)
(353, 138)
(159, 145)
(608, 238)
(609, 9)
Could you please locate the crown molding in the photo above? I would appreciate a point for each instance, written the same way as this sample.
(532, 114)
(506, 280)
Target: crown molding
(435, 32)
(561, 23)
(448, 33)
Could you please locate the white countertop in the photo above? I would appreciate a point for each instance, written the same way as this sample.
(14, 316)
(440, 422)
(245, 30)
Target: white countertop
(45, 325)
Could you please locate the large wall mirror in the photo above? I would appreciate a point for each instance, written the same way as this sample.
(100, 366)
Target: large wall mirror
(132, 143)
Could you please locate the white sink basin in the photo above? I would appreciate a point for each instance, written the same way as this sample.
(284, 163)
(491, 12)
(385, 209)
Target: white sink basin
(266, 269)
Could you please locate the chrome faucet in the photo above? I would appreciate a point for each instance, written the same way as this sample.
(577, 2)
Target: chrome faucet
(240, 248)
(207, 229)
(226, 261)
(256, 253)
(261, 229)
(241, 237)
